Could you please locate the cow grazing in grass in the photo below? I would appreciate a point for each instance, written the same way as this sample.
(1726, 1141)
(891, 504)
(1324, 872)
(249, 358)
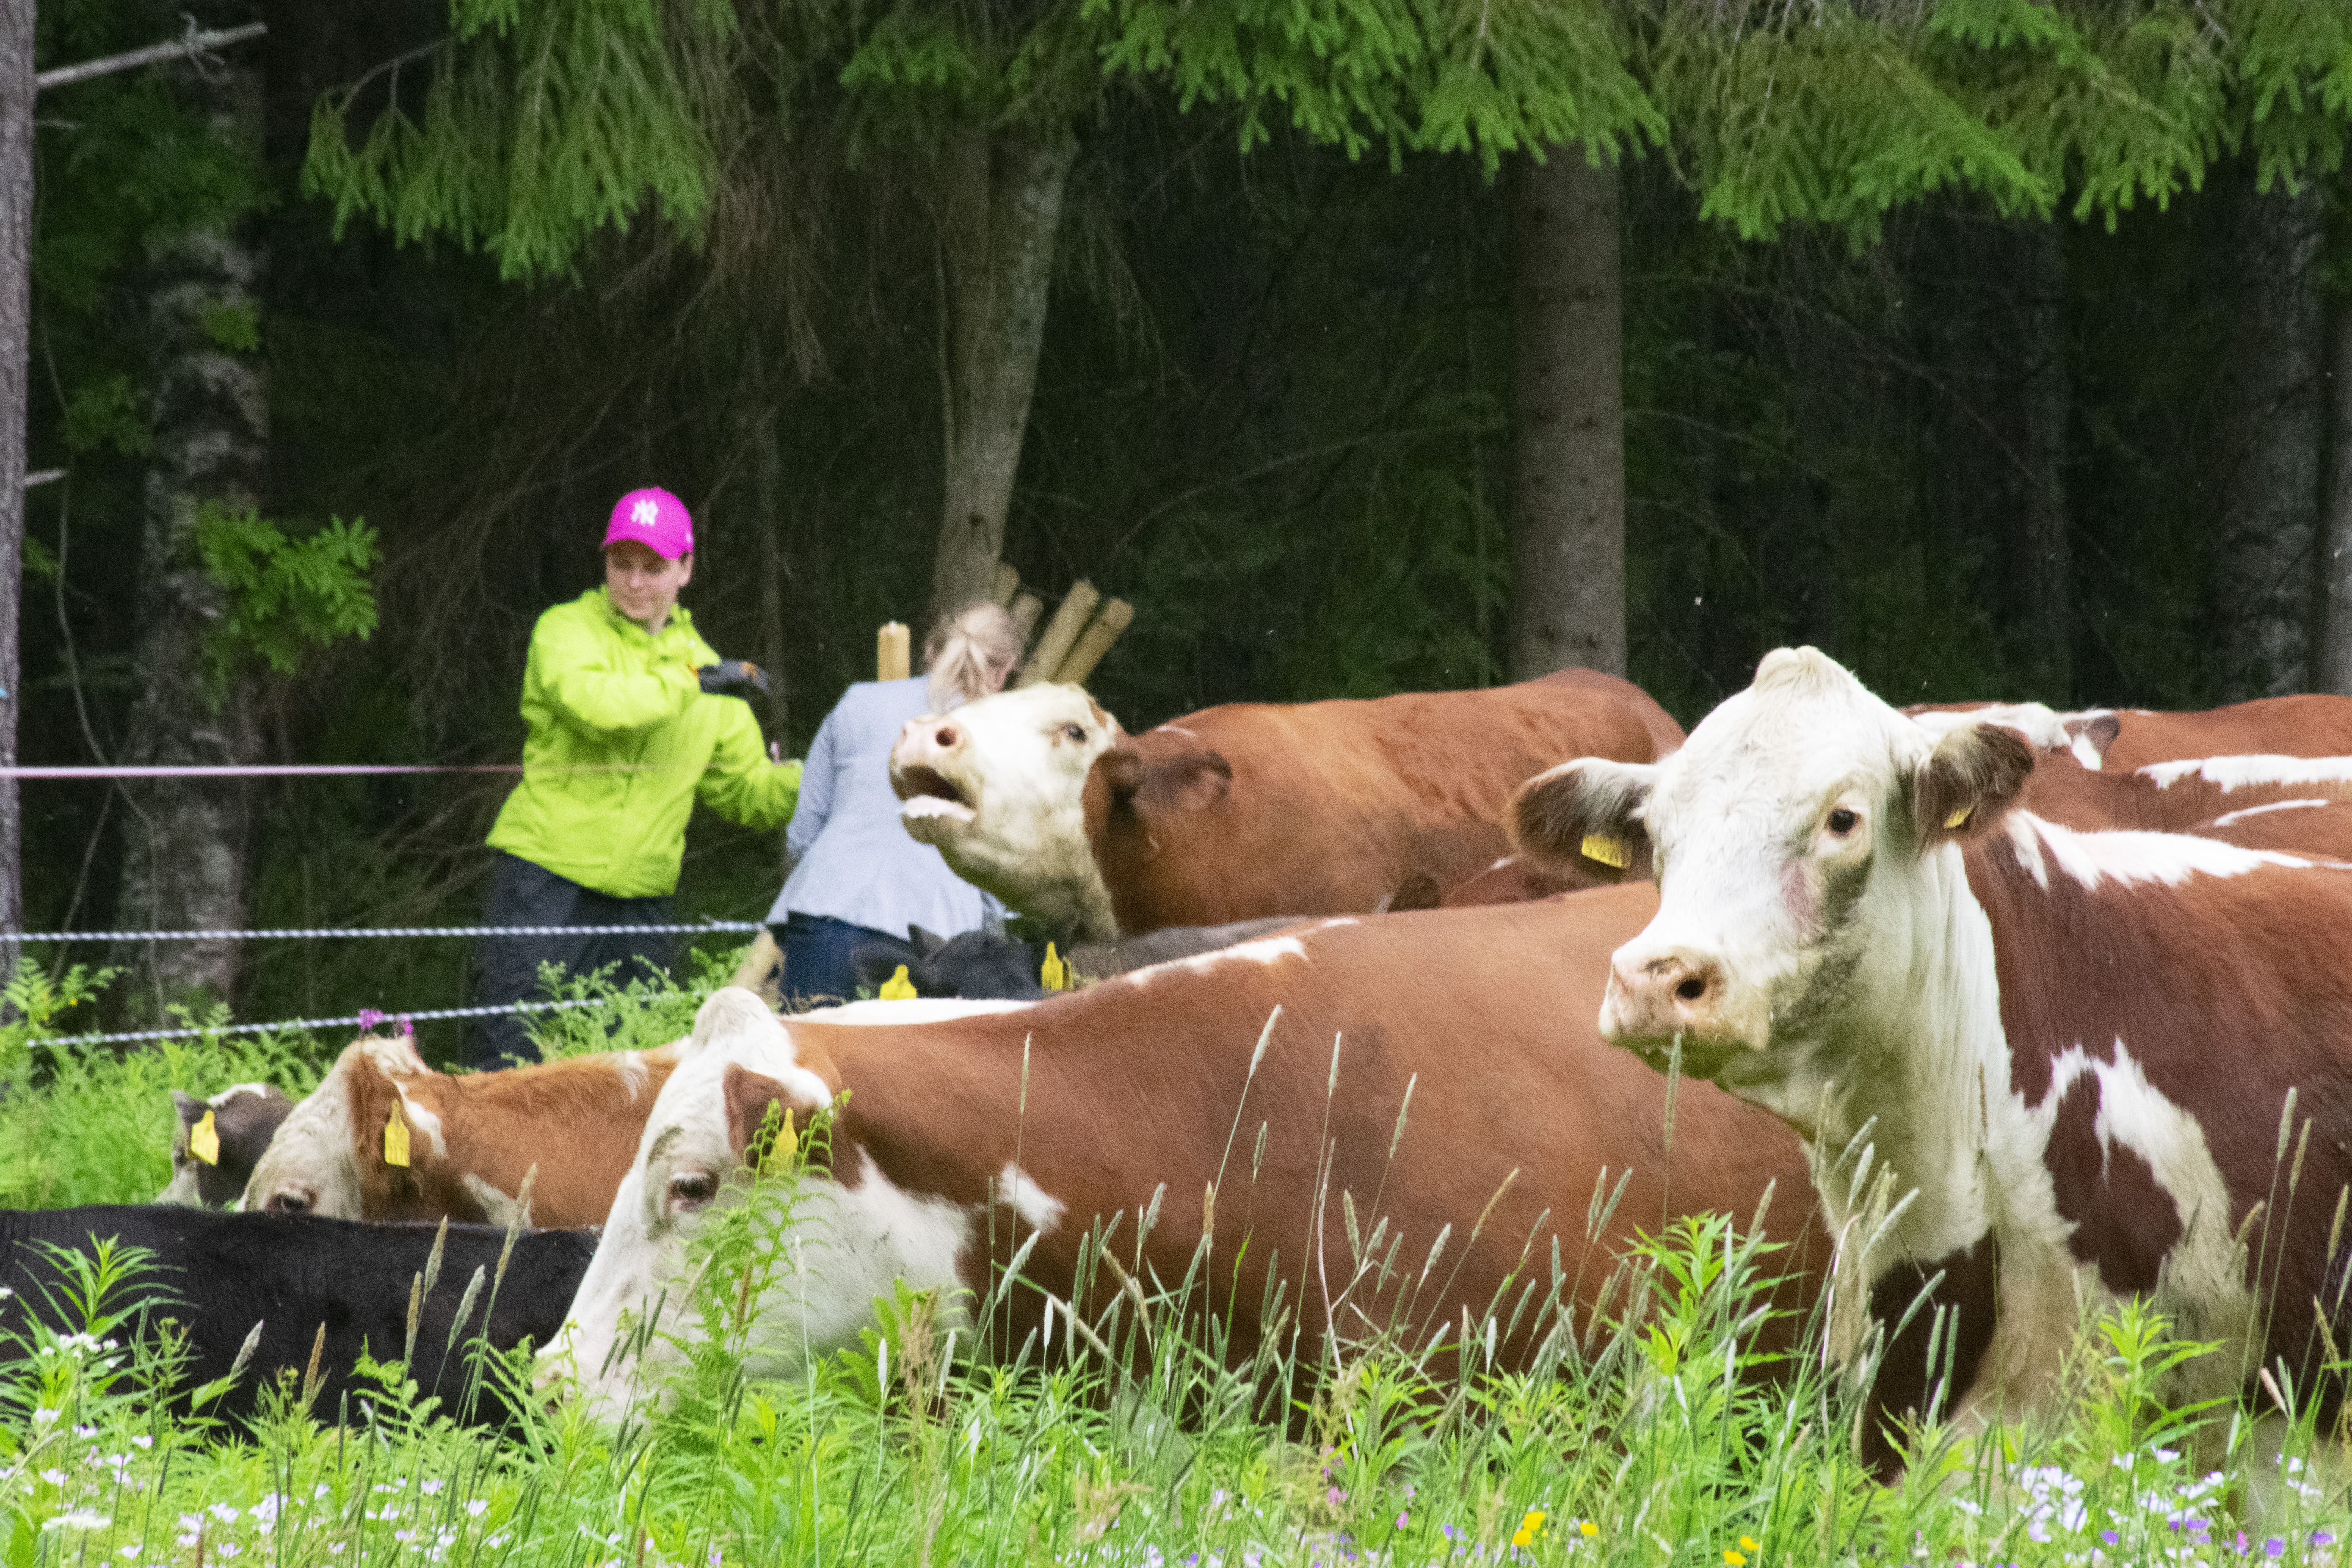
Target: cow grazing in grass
(465, 1142)
(2111, 1063)
(985, 963)
(245, 1116)
(1170, 1092)
(2307, 725)
(217, 1276)
(1247, 810)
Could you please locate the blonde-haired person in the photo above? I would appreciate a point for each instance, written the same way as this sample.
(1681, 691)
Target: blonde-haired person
(859, 880)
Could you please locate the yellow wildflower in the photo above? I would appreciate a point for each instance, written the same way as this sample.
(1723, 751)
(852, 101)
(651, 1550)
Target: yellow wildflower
(1735, 1560)
(1525, 1534)
(1589, 1528)
(1748, 1544)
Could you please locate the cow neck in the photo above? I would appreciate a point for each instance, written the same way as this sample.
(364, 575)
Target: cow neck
(1919, 1068)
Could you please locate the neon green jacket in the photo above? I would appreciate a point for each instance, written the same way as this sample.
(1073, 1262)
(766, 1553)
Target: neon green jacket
(600, 690)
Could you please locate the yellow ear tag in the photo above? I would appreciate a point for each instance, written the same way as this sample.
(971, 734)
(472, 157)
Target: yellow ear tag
(204, 1139)
(395, 1141)
(1609, 852)
(897, 988)
(1959, 816)
(1056, 974)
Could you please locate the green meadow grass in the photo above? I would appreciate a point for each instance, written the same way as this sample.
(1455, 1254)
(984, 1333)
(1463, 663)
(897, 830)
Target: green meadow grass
(1661, 1435)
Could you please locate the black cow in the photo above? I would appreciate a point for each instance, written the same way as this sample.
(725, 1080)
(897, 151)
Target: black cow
(218, 1274)
(244, 1119)
(977, 966)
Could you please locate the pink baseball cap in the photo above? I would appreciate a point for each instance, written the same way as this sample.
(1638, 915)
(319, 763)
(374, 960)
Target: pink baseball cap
(655, 518)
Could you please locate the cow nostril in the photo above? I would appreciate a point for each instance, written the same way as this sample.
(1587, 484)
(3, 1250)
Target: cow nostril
(287, 1203)
(946, 736)
(1691, 990)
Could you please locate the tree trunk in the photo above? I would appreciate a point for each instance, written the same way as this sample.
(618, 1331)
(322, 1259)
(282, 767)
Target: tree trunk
(184, 865)
(2332, 665)
(1000, 213)
(2270, 499)
(2000, 353)
(1567, 419)
(16, 344)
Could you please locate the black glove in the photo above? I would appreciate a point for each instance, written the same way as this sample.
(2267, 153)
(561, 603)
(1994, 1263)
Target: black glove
(730, 674)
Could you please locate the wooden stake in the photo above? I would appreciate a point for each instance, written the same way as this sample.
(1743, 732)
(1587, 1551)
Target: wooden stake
(893, 652)
(1116, 616)
(1061, 634)
(1008, 583)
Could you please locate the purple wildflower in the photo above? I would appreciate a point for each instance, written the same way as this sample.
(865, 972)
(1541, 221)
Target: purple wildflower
(2108, 1536)
(2274, 1547)
(2321, 1538)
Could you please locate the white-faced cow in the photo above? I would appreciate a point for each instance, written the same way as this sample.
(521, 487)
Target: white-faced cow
(959, 1140)
(2085, 1050)
(1247, 810)
(384, 1137)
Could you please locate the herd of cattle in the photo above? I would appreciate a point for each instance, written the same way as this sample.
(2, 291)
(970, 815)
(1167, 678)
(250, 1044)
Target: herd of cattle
(1386, 987)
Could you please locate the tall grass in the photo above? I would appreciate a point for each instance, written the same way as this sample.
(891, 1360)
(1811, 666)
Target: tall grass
(1659, 1435)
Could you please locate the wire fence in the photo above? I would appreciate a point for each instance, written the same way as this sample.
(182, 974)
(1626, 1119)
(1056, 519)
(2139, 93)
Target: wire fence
(368, 1018)
(720, 928)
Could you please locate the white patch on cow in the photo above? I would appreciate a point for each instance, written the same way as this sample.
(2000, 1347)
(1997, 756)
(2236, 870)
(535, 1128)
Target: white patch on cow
(2128, 857)
(423, 1119)
(260, 1091)
(2240, 773)
(393, 1055)
(2044, 730)
(182, 1188)
(850, 1239)
(634, 1073)
(2025, 842)
(1174, 730)
(1031, 1202)
(2086, 753)
(312, 1160)
(499, 1207)
(2228, 818)
(1265, 950)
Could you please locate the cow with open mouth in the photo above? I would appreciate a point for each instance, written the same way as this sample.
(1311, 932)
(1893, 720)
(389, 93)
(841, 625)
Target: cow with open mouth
(1426, 1083)
(2093, 1064)
(1248, 810)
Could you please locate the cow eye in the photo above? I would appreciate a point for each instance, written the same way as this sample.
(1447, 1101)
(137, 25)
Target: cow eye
(1075, 734)
(692, 1189)
(1841, 822)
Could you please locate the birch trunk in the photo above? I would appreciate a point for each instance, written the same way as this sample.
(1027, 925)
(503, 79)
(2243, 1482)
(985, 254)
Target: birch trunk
(17, 91)
(183, 861)
(2270, 505)
(1000, 214)
(1567, 419)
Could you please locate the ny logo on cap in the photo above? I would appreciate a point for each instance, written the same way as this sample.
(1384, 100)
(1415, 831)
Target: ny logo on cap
(644, 514)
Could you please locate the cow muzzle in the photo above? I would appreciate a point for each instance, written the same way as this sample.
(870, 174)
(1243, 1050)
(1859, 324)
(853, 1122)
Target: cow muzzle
(920, 764)
(1658, 996)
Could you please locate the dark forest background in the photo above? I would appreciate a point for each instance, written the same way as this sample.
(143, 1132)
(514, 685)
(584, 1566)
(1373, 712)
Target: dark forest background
(1273, 410)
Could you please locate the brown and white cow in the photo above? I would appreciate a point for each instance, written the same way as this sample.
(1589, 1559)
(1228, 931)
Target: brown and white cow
(469, 1139)
(959, 1140)
(2083, 1052)
(2304, 725)
(1247, 810)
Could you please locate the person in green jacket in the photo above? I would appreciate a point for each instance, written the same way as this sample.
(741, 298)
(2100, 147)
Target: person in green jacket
(632, 717)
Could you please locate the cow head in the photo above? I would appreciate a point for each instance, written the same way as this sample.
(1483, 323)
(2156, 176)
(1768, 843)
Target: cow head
(851, 1232)
(312, 1165)
(1803, 840)
(246, 1116)
(996, 785)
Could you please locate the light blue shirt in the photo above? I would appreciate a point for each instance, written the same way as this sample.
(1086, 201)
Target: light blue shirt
(855, 862)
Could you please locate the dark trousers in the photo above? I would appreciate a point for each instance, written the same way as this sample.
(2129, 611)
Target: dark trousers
(816, 957)
(524, 894)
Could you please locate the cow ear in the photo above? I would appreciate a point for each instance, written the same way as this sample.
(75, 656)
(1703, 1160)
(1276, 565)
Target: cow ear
(750, 1096)
(927, 942)
(1122, 774)
(874, 964)
(1968, 782)
(1194, 781)
(1585, 817)
(2091, 735)
(192, 1110)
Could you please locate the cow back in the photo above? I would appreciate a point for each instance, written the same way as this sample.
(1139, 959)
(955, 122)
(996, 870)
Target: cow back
(1255, 809)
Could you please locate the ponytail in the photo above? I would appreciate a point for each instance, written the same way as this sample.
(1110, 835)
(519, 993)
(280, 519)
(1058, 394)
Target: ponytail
(965, 650)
